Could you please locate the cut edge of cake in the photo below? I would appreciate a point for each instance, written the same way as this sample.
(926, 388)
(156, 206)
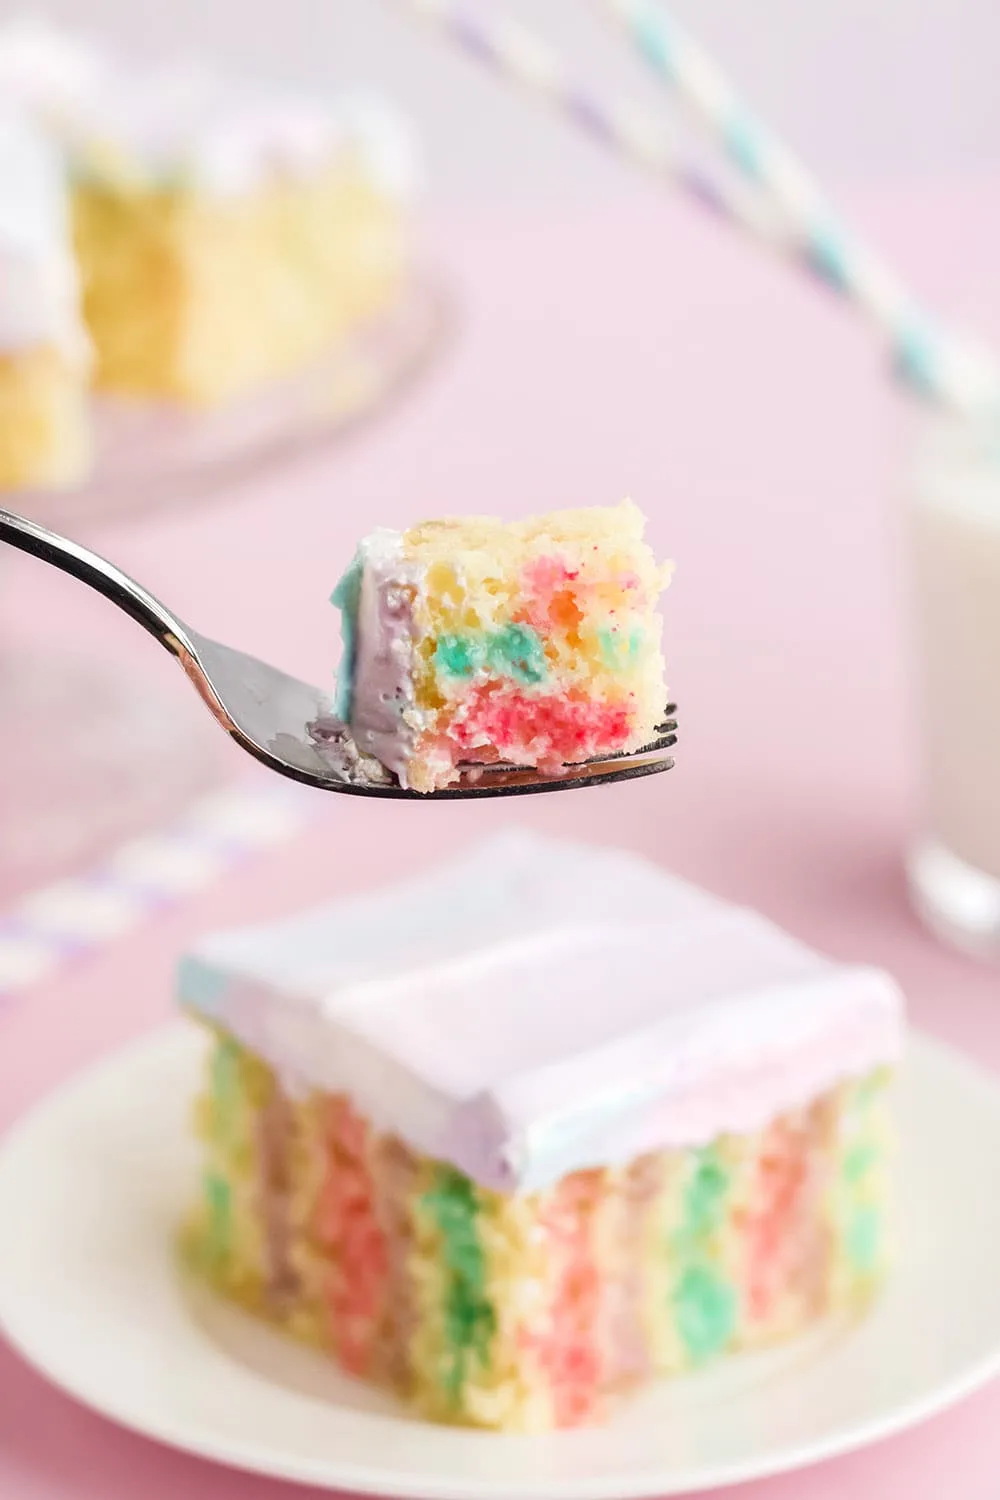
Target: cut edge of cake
(535, 642)
(533, 1306)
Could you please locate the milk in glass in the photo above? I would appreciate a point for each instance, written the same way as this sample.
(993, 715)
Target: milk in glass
(954, 517)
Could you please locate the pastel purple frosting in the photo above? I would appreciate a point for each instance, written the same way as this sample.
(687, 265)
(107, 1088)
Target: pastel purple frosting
(383, 714)
(537, 1007)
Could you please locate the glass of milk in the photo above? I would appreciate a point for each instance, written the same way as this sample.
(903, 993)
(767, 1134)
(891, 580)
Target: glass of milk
(954, 520)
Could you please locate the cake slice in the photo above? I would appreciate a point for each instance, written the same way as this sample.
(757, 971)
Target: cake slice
(44, 354)
(228, 234)
(535, 642)
(520, 1133)
(50, 73)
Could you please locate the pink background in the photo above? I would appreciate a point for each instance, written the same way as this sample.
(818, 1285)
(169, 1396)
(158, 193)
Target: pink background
(862, 88)
(625, 349)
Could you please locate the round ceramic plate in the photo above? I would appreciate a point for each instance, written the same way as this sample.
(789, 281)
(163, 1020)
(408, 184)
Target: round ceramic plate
(91, 1186)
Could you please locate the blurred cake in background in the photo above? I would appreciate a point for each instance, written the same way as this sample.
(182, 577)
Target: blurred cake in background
(44, 352)
(527, 1130)
(226, 232)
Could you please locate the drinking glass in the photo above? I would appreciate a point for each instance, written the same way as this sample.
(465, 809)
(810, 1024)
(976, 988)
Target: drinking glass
(953, 513)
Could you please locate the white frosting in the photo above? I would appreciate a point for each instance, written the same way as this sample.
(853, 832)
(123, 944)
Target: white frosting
(186, 121)
(386, 140)
(39, 295)
(537, 1007)
(48, 71)
(385, 720)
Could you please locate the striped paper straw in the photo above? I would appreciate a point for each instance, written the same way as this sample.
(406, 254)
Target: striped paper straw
(53, 928)
(933, 362)
(515, 54)
(786, 208)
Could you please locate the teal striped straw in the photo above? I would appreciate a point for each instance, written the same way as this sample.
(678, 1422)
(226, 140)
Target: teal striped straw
(785, 207)
(931, 361)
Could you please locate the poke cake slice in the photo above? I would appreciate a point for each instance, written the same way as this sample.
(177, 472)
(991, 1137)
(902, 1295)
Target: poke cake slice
(537, 1127)
(535, 642)
(44, 354)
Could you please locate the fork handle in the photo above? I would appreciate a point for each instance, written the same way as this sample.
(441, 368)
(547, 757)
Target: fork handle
(98, 574)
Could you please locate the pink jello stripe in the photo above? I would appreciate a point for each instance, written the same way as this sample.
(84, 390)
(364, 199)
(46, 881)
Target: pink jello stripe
(569, 1354)
(782, 1179)
(351, 1234)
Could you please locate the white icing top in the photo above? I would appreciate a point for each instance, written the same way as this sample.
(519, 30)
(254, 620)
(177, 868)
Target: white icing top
(48, 71)
(537, 1007)
(185, 121)
(39, 295)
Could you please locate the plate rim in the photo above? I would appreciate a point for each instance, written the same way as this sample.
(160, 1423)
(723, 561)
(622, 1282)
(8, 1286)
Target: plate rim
(359, 1479)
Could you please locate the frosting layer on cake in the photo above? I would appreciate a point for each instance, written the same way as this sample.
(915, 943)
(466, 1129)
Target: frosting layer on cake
(538, 1007)
(39, 294)
(186, 124)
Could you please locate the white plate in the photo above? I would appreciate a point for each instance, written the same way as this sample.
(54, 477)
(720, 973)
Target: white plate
(92, 1183)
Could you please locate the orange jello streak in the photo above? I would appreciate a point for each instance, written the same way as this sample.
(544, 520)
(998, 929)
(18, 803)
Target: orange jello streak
(567, 1351)
(548, 598)
(782, 1174)
(349, 1231)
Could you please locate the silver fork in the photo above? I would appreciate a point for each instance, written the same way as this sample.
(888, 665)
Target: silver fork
(287, 724)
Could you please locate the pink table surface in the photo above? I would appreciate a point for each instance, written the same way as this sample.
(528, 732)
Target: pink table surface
(626, 348)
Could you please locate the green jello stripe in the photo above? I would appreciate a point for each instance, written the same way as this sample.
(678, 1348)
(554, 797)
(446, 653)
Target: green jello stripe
(517, 651)
(225, 1083)
(619, 650)
(459, 655)
(704, 1202)
(703, 1298)
(861, 1215)
(705, 1308)
(859, 1160)
(864, 1238)
(469, 1318)
(706, 1193)
(219, 1197)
